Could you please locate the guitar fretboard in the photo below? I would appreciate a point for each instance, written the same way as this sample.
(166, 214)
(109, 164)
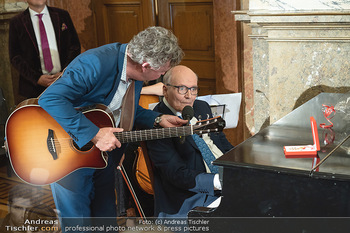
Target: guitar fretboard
(153, 134)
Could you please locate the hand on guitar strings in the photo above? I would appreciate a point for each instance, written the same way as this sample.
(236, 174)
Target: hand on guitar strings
(105, 139)
(171, 121)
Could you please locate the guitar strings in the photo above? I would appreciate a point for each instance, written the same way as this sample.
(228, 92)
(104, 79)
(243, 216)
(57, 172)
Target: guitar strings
(139, 135)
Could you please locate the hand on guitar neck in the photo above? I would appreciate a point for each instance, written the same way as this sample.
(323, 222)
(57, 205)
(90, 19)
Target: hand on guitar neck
(105, 139)
(171, 121)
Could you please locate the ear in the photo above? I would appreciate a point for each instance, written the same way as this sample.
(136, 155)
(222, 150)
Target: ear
(145, 66)
(165, 93)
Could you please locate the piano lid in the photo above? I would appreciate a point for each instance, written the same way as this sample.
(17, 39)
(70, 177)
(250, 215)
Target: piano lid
(264, 150)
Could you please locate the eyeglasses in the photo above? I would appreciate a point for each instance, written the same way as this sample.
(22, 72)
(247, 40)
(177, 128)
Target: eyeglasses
(183, 89)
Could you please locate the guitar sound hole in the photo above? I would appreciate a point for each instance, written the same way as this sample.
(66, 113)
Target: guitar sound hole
(86, 147)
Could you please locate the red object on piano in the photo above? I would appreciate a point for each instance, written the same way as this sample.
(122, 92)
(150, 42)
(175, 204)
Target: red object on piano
(305, 151)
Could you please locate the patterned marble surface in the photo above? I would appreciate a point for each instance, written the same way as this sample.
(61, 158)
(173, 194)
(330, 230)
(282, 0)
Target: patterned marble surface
(300, 48)
(276, 5)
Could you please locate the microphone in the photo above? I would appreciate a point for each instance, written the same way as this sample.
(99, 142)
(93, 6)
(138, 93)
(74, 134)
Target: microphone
(187, 114)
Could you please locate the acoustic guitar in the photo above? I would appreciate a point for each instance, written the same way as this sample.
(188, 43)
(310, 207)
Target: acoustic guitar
(41, 152)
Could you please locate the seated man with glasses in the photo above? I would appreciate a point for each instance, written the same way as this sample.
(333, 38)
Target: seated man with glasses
(182, 179)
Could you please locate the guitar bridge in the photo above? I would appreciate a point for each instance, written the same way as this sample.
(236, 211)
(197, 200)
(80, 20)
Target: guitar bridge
(51, 144)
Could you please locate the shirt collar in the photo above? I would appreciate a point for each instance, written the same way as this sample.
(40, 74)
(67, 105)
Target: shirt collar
(34, 13)
(123, 76)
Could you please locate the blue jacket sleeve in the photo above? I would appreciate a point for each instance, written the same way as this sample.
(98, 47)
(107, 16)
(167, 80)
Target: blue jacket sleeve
(86, 81)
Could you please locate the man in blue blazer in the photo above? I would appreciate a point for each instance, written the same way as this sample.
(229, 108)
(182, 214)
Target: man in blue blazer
(182, 179)
(25, 50)
(102, 75)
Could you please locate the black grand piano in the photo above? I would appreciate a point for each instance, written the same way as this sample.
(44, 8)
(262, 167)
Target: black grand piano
(263, 191)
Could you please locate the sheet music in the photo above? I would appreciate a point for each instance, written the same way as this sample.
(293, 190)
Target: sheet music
(232, 103)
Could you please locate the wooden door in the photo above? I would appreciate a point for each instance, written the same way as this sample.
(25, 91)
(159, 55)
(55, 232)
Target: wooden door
(190, 20)
(120, 20)
(192, 23)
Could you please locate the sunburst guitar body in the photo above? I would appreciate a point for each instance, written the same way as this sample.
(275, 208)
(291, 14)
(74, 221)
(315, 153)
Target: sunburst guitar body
(40, 150)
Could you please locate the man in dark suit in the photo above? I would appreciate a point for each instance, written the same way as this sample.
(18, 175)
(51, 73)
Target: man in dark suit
(182, 180)
(26, 51)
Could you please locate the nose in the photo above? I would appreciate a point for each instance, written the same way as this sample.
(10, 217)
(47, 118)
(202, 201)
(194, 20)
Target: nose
(188, 94)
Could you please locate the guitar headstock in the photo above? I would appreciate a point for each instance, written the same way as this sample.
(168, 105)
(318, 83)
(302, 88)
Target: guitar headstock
(215, 124)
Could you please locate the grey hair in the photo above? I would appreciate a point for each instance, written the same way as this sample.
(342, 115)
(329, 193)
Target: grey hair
(156, 46)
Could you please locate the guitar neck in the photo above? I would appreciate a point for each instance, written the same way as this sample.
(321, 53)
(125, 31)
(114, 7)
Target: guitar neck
(152, 134)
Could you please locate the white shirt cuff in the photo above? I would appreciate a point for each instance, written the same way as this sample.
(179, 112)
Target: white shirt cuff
(217, 183)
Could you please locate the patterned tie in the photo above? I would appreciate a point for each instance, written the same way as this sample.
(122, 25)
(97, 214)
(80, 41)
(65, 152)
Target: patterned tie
(45, 45)
(206, 153)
